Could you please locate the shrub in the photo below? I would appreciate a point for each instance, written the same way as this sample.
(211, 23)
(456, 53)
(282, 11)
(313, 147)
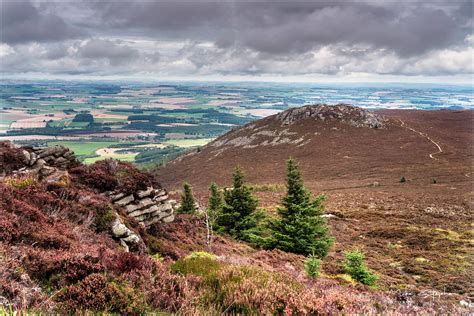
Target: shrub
(109, 174)
(201, 254)
(19, 182)
(201, 266)
(77, 268)
(127, 261)
(11, 158)
(95, 293)
(312, 265)
(104, 216)
(403, 180)
(268, 187)
(354, 266)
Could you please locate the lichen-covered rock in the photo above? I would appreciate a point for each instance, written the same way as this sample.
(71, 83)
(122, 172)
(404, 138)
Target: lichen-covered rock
(147, 207)
(345, 113)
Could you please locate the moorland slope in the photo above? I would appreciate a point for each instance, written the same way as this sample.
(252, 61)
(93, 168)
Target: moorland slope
(416, 231)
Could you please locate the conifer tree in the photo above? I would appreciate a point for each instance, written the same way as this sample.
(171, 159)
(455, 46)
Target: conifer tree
(300, 227)
(213, 212)
(239, 205)
(188, 206)
(215, 200)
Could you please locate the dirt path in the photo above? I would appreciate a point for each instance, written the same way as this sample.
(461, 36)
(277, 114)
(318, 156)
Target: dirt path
(440, 150)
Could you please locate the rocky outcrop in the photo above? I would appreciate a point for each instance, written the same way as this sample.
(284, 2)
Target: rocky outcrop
(43, 162)
(345, 113)
(147, 207)
(51, 165)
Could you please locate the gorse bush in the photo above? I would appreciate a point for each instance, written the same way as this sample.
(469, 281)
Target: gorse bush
(312, 266)
(354, 266)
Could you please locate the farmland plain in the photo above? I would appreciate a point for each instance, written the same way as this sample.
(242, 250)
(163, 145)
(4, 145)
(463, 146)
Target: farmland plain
(153, 121)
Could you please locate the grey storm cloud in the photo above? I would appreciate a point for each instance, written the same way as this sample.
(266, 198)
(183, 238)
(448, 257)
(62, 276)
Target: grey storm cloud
(293, 27)
(237, 37)
(23, 22)
(268, 27)
(112, 50)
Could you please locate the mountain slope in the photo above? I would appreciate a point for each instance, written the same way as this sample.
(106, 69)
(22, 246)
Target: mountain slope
(417, 233)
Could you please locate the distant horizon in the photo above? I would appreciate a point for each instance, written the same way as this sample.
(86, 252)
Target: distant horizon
(232, 81)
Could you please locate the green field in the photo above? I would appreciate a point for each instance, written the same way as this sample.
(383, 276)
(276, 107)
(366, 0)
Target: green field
(188, 142)
(68, 123)
(122, 157)
(82, 148)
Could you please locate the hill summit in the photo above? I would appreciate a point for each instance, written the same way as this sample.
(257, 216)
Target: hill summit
(345, 113)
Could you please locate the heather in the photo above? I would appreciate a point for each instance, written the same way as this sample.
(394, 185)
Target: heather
(57, 255)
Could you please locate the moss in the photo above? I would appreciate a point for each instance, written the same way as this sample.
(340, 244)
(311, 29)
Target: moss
(20, 183)
(104, 219)
(154, 246)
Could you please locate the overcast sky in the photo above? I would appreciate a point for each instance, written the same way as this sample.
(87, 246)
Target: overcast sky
(418, 41)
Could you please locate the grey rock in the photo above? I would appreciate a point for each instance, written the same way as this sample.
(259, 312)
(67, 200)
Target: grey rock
(46, 171)
(27, 157)
(344, 113)
(160, 198)
(120, 230)
(126, 200)
(33, 158)
(140, 205)
(145, 193)
(132, 239)
(168, 219)
(115, 197)
(160, 192)
(151, 209)
(51, 151)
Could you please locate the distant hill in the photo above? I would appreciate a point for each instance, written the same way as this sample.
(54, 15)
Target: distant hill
(337, 146)
(416, 230)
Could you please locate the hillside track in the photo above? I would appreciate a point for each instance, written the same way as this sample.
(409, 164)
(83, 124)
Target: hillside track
(440, 150)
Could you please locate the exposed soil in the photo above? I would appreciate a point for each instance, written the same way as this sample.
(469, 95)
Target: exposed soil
(416, 234)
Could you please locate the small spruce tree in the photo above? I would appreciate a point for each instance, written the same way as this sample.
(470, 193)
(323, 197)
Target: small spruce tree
(215, 199)
(355, 266)
(312, 266)
(188, 206)
(239, 205)
(300, 227)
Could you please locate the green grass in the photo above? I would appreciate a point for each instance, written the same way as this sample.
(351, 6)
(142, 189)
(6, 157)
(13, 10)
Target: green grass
(68, 123)
(122, 157)
(188, 142)
(82, 148)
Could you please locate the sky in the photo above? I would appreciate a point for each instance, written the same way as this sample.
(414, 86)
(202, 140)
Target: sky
(303, 41)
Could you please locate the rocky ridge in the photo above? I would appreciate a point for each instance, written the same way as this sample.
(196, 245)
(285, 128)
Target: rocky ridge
(345, 113)
(46, 161)
(256, 136)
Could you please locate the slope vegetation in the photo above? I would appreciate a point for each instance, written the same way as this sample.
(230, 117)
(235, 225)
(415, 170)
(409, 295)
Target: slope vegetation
(415, 230)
